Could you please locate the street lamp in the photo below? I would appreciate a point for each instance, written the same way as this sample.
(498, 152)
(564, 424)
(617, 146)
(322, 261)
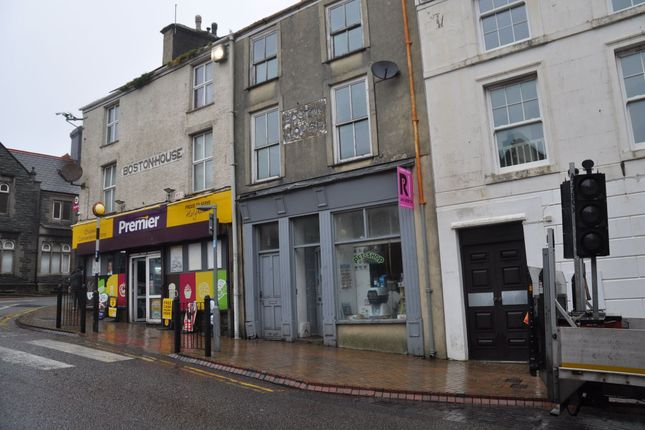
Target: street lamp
(98, 210)
(212, 224)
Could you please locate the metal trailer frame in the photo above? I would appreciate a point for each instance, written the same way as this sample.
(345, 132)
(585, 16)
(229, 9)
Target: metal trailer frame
(574, 356)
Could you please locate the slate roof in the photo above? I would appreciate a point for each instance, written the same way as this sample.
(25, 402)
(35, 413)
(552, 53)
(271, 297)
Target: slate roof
(46, 167)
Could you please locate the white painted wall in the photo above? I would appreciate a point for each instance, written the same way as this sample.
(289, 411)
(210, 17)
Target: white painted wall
(572, 50)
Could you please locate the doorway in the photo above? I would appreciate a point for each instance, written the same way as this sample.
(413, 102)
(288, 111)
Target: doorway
(495, 292)
(145, 288)
(306, 275)
(270, 297)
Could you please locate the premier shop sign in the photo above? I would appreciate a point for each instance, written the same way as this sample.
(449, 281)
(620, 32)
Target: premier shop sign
(135, 224)
(154, 161)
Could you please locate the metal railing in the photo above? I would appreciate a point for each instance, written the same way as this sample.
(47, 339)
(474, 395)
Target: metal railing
(192, 326)
(71, 308)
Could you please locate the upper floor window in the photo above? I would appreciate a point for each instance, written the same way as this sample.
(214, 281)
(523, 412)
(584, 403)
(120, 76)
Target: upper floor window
(503, 22)
(203, 85)
(62, 210)
(203, 161)
(55, 258)
(351, 121)
(624, 4)
(109, 187)
(517, 123)
(264, 65)
(112, 124)
(345, 27)
(632, 66)
(7, 248)
(4, 198)
(266, 144)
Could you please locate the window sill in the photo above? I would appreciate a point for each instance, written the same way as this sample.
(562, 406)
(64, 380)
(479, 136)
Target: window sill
(254, 86)
(349, 54)
(370, 321)
(266, 180)
(109, 144)
(199, 108)
(496, 178)
(353, 160)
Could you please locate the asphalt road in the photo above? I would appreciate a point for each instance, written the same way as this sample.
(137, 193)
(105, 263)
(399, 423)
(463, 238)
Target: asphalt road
(53, 381)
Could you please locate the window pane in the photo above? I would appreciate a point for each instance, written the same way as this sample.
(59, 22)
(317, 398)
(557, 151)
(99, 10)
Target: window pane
(195, 256)
(491, 40)
(503, 19)
(635, 86)
(340, 44)
(513, 94)
(632, 64)
(489, 24)
(199, 97)
(498, 98)
(261, 72)
(67, 211)
(499, 3)
(57, 213)
(343, 113)
(500, 116)
(272, 68)
(528, 90)
(260, 131)
(306, 230)
(198, 176)
(44, 263)
(355, 37)
(4, 203)
(349, 225)
(273, 127)
(383, 221)
(268, 236)
(55, 262)
(272, 45)
(65, 264)
(274, 160)
(337, 18)
(208, 145)
(506, 35)
(199, 75)
(518, 14)
(346, 141)
(521, 31)
(531, 109)
(637, 115)
(359, 100)
(521, 145)
(262, 163)
(485, 5)
(369, 277)
(208, 174)
(353, 11)
(362, 136)
(198, 147)
(209, 94)
(621, 4)
(258, 50)
(208, 75)
(515, 113)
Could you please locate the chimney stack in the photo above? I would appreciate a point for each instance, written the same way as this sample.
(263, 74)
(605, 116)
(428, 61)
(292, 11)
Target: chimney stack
(214, 29)
(198, 22)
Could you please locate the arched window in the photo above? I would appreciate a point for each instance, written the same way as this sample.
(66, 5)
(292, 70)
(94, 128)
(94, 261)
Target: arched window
(45, 257)
(4, 198)
(7, 248)
(65, 258)
(55, 258)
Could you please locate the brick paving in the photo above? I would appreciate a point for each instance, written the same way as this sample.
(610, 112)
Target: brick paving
(338, 370)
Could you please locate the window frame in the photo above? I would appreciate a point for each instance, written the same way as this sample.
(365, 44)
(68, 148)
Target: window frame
(108, 189)
(112, 127)
(511, 5)
(252, 61)
(203, 161)
(47, 250)
(196, 104)
(614, 10)
(495, 129)
(255, 151)
(627, 100)
(5, 190)
(331, 34)
(61, 204)
(7, 246)
(336, 126)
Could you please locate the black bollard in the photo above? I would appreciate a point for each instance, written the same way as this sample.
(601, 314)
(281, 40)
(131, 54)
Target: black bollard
(176, 323)
(208, 334)
(82, 303)
(59, 306)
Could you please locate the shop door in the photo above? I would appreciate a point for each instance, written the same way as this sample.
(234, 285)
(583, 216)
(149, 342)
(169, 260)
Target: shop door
(495, 291)
(314, 292)
(146, 288)
(270, 298)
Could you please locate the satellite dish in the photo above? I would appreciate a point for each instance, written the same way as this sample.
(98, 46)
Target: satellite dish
(71, 171)
(385, 69)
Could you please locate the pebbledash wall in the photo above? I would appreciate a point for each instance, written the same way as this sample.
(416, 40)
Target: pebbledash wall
(572, 52)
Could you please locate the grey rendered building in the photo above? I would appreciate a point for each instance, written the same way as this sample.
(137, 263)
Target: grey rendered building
(328, 253)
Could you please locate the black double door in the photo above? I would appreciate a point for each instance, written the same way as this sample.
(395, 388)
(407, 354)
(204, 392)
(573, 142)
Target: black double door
(496, 292)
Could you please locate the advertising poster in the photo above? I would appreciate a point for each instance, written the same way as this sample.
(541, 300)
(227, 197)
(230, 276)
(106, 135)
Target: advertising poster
(103, 297)
(204, 282)
(186, 288)
(121, 298)
(222, 289)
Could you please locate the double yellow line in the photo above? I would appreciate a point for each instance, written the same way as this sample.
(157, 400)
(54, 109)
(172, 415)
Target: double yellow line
(228, 380)
(5, 319)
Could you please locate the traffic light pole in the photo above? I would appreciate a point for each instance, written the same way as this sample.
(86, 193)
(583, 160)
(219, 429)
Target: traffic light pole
(594, 288)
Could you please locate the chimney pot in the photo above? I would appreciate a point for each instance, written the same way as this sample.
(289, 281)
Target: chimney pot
(198, 22)
(214, 29)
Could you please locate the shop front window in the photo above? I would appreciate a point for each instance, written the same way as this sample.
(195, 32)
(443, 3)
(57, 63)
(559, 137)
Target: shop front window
(369, 265)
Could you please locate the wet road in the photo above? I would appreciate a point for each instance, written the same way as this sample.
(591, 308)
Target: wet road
(52, 381)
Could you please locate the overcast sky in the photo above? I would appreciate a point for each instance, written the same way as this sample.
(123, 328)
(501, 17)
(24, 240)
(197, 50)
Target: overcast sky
(59, 55)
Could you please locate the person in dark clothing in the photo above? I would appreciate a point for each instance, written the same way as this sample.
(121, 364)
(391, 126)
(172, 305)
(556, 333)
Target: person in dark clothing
(76, 285)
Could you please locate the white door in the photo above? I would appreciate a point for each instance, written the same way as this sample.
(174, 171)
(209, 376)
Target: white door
(145, 287)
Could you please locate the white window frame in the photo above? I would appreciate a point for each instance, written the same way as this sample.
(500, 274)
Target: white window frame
(109, 188)
(203, 161)
(46, 253)
(61, 205)
(112, 127)
(494, 11)
(628, 100)
(5, 189)
(6, 247)
(346, 30)
(254, 64)
(336, 126)
(199, 102)
(255, 151)
(495, 130)
(633, 5)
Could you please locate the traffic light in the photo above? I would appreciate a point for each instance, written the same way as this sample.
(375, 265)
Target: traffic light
(590, 196)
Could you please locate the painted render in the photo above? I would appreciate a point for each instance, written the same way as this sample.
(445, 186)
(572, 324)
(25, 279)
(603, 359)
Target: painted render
(572, 51)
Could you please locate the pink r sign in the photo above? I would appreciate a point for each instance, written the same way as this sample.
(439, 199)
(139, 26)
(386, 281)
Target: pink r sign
(404, 188)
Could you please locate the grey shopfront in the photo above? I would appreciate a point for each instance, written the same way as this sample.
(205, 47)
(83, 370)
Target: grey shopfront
(335, 259)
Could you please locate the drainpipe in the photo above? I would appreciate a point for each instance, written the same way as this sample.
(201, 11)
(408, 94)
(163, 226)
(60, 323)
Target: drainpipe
(236, 277)
(422, 201)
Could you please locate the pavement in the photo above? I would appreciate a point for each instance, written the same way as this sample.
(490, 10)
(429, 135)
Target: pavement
(323, 369)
